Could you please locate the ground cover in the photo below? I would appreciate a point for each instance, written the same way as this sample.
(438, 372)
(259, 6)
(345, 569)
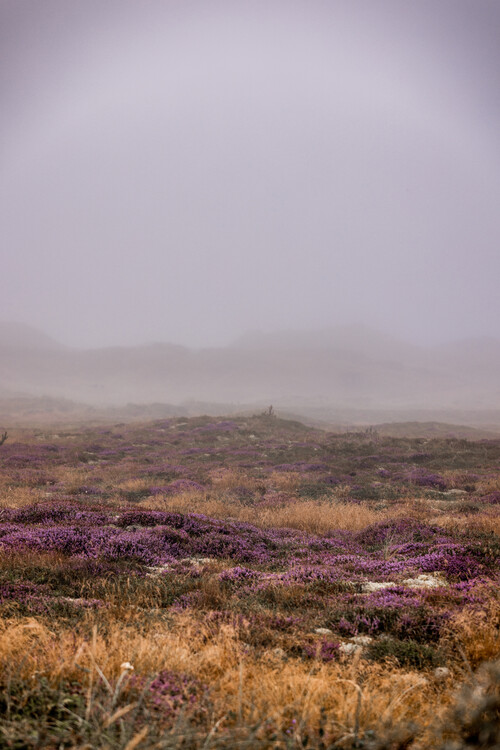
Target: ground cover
(248, 583)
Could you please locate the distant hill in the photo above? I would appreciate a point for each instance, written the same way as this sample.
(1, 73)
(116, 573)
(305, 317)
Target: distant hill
(337, 375)
(434, 430)
(21, 336)
(355, 338)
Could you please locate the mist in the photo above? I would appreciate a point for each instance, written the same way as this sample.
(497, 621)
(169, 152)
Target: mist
(186, 172)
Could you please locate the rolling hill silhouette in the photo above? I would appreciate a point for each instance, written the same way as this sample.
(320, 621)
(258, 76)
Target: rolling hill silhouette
(348, 368)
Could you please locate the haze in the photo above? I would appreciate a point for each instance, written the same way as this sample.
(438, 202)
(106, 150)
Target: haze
(188, 171)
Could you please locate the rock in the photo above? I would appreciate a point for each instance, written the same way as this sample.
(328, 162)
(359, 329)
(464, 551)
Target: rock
(349, 649)
(323, 631)
(441, 674)
(361, 640)
(377, 586)
(138, 527)
(454, 493)
(157, 570)
(424, 581)
(197, 560)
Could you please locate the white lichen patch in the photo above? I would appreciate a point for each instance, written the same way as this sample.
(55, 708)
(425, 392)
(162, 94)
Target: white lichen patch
(349, 649)
(361, 640)
(370, 586)
(425, 581)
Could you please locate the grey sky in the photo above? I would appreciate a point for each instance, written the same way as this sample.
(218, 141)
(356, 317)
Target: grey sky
(186, 171)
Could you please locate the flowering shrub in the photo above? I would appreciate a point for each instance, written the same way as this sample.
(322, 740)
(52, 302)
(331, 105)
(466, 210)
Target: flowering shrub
(169, 693)
(324, 651)
(423, 479)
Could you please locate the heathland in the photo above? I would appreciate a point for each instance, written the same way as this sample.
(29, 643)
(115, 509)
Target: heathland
(248, 582)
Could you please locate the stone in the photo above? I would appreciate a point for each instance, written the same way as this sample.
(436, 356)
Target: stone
(197, 560)
(424, 581)
(377, 586)
(361, 640)
(349, 649)
(157, 570)
(323, 631)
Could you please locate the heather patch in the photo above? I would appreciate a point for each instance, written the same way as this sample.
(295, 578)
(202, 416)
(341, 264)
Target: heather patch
(23, 597)
(167, 694)
(323, 650)
(390, 551)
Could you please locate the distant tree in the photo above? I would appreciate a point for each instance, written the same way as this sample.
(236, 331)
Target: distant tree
(3, 438)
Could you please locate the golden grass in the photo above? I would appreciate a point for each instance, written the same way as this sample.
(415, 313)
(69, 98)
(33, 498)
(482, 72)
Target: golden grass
(17, 497)
(486, 522)
(21, 560)
(230, 479)
(250, 686)
(317, 517)
(475, 632)
(285, 481)
(313, 516)
(71, 477)
(485, 486)
(133, 485)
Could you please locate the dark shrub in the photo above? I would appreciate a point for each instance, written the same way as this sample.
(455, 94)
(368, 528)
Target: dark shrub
(407, 653)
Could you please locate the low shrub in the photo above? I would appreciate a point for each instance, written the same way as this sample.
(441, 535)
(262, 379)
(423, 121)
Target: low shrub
(405, 653)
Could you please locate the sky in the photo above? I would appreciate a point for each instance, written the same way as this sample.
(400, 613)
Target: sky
(189, 170)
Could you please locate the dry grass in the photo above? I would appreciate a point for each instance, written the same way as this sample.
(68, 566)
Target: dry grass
(458, 479)
(475, 631)
(21, 561)
(485, 486)
(487, 522)
(225, 480)
(133, 485)
(254, 688)
(17, 497)
(285, 481)
(319, 517)
(313, 516)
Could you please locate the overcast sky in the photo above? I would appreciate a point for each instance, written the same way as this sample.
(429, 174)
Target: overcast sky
(188, 170)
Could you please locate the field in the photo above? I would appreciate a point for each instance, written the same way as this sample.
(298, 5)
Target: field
(248, 583)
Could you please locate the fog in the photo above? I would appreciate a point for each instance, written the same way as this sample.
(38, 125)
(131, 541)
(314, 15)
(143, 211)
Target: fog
(188, 171)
